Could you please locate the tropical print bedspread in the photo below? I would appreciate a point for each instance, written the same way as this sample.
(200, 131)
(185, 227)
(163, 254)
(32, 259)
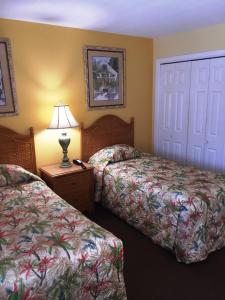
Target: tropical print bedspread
(180, 208)
(49, 250)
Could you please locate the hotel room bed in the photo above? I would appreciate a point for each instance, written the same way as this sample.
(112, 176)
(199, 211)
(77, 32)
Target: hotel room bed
(180, 208)
(48, 249)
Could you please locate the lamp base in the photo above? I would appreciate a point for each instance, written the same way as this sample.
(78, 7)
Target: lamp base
(64, 142)
(65, 164)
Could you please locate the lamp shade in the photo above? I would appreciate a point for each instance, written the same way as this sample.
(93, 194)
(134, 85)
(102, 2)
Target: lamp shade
(62, 118)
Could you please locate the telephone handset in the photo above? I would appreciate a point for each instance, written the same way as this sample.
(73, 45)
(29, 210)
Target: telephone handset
(79, 162)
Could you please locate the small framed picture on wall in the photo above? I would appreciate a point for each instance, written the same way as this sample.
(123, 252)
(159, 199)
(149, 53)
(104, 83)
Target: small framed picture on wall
(8, 102)
(105, 77)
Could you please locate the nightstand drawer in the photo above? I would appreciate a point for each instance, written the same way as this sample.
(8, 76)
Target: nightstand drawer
(68, 196)
(79, 200)
(73, 182)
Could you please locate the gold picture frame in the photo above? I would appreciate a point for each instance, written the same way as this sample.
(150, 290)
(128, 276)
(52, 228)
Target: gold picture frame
(105, 77)
(8, 101)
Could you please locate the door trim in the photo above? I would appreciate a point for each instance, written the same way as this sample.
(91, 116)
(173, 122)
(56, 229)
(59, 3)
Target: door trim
(174, 59)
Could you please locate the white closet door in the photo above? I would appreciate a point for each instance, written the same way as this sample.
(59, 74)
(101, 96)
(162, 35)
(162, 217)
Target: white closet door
(198, 112)
(214, 157)
(173, 110)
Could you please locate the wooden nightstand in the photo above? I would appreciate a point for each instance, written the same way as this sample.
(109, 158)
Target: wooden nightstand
(73, 184)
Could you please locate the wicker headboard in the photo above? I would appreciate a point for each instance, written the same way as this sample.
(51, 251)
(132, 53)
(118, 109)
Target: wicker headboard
(106, 131)
(17, 149)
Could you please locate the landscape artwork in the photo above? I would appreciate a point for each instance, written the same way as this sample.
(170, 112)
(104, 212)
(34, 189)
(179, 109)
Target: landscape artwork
(104, 77)
(8, 101)
(2, 93)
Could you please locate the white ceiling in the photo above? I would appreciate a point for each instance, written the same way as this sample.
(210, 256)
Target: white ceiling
(148, 18)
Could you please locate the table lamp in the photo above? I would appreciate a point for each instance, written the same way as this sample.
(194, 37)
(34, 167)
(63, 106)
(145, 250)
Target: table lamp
(62, 118)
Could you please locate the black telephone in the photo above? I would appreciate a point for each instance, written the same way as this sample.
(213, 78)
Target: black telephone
(79, 162)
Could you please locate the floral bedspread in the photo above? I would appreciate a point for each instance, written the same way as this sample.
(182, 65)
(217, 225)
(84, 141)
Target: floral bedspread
(48, 249)
(180, 208)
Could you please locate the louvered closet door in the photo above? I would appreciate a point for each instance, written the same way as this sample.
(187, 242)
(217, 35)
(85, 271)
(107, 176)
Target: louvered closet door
(173, 110)
(206, 134)
(214, 157)
(198, 112)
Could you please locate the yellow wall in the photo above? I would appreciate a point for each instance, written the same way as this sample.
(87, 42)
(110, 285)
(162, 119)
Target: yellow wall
(49, 68)
(205, 39)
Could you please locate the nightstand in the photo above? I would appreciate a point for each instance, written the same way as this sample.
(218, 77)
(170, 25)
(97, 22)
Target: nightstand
(73, 184)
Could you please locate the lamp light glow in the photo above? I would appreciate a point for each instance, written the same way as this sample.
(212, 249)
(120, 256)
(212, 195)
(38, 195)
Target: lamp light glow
(62, 118)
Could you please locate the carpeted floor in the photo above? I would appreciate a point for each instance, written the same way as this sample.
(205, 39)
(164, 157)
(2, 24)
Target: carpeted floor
(152, 273)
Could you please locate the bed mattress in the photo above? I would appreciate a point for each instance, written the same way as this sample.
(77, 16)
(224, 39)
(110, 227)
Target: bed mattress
(180, 208)
(48, 249)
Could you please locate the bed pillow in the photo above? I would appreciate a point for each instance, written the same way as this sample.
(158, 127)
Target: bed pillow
(13, 174)
(114, 154)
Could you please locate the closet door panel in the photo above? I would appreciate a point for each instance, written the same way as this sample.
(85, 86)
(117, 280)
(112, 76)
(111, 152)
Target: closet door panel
(166, 124)
(166, 148)
(198, 112)
(174, 102)
(166, 110)
(215, 124)
(223, 155)
(180, 124)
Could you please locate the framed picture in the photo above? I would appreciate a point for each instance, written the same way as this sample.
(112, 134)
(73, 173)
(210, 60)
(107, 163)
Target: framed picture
(8, 102)
(105, 77)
